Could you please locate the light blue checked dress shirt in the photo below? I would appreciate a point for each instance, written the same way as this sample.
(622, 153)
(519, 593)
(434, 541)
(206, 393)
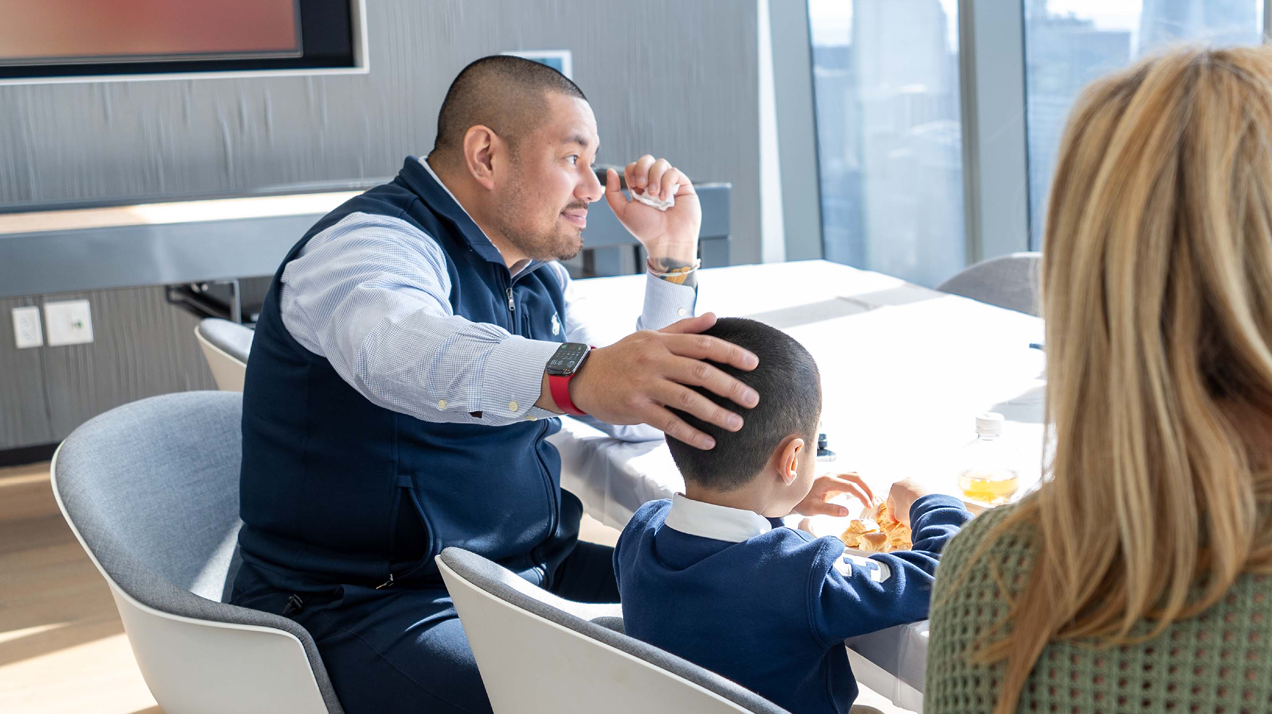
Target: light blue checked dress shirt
(370, 294)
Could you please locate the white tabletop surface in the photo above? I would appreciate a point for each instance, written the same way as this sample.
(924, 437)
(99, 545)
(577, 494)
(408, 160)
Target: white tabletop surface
(905, 370)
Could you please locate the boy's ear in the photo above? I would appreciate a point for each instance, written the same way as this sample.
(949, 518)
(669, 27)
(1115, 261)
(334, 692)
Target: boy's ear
(788, 455)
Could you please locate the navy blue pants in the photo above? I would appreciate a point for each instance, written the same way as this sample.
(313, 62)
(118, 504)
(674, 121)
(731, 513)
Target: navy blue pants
(401, 650)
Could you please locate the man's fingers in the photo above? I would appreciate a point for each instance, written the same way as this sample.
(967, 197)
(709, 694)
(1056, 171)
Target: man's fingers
(612, 182)
(675, 427)
(684, 187)
(656, 172)
(691, 325)
(629, 175)
(712, 348)
(703, 374)
(614, 193)
(682, 398)
(640, 172)
(670, 183)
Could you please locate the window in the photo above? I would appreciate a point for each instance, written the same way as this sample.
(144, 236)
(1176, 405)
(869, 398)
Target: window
(1069, 43)
(890, 157)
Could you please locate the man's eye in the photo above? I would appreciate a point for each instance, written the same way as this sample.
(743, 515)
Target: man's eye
(573, 159)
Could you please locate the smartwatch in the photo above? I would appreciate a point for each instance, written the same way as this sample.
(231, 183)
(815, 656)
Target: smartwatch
(561, 369)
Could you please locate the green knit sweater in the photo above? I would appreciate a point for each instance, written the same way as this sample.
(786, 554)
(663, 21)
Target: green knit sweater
(1219, 661)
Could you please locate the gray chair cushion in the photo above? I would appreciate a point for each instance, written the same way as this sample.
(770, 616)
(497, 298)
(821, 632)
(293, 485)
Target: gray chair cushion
(1009, 281)
(152, 488)
(589, 620)
(231, 338)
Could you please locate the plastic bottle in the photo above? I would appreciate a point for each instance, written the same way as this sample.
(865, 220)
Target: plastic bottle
(986, 473)
(824, 454)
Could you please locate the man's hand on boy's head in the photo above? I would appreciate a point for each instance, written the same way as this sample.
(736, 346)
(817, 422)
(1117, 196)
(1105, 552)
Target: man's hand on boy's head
(642, 377)
(817, 503)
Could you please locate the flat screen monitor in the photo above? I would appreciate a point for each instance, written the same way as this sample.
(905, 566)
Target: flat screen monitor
(68, 38)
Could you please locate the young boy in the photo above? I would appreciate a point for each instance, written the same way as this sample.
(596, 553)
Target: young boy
(714, 577)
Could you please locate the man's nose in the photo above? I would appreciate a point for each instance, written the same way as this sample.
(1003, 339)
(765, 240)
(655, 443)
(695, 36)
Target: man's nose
(590, 189)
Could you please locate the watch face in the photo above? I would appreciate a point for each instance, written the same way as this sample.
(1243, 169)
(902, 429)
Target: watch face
(567, 359)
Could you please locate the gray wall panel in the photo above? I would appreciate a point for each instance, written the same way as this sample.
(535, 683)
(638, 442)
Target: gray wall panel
(677, 79)
(142, 346)
(24, 417)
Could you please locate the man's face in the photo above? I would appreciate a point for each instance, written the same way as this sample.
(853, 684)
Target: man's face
(542, 201)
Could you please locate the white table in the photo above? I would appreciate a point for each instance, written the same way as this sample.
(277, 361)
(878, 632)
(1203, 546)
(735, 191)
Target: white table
(905, 371)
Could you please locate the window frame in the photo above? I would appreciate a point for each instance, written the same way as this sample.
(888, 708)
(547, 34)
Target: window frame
(995, 159)
(994, 124)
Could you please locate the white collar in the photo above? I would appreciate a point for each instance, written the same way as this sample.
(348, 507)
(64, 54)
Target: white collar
(436, 178)
(707, 520)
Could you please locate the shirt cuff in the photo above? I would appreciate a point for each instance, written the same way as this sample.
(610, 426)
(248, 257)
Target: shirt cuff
(933, 501)
(513, 378)
(666, 303)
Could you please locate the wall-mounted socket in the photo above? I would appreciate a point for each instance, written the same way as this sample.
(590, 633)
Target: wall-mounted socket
(70, 322)
(26, 327)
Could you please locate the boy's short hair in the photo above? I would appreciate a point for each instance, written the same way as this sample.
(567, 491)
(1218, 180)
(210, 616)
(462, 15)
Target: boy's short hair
(789, 386)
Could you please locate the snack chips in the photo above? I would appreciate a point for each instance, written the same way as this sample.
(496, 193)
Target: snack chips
(883, 534)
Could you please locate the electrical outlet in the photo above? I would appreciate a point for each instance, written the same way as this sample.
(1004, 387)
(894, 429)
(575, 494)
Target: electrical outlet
(26, 327)
(70, 322)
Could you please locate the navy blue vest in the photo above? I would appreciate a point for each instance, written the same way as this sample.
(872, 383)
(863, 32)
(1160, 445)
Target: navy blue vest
(337, 490)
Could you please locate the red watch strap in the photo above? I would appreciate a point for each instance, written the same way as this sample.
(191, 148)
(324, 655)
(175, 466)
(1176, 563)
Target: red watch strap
(560, 388)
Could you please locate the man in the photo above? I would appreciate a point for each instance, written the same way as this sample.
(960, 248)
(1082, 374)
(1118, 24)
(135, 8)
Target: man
(411, 354)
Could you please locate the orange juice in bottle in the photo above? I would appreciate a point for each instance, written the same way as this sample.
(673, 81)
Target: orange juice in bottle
(987, 474)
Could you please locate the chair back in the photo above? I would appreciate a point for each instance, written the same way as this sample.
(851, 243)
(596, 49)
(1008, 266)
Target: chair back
(538, 653)
(225, 346)
(1009, 281)
(150, 490)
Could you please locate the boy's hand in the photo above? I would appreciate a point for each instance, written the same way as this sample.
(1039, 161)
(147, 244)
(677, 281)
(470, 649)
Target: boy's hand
(903, 495)
(816, 503)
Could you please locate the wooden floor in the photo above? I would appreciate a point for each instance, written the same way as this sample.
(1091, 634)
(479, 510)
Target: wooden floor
(62, 646)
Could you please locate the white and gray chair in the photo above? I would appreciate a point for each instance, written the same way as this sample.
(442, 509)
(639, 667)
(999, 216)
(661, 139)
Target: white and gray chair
(1009, 281)
(150, 489)
(226, 346)
(540, 654)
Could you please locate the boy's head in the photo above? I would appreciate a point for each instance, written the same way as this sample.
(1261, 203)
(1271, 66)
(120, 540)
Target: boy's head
(778, 442)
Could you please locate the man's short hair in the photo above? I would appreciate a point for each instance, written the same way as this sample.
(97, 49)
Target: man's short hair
(505, 93)
(789, 386)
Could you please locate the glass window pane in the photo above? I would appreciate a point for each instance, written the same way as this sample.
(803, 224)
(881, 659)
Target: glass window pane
(885, 82)
(1069, 43)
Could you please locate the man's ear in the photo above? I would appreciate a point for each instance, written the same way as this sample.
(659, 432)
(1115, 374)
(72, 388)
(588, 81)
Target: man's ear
(479, 154)
(788, 455)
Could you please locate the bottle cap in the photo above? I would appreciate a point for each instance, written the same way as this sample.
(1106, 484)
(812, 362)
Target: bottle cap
(989, 424)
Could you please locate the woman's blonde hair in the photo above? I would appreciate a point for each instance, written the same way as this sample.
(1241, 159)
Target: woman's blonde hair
(1157, 291)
